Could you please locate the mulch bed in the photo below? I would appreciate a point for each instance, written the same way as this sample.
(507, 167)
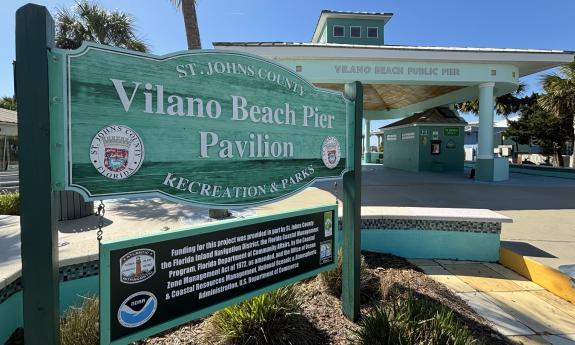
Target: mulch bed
(323, 312)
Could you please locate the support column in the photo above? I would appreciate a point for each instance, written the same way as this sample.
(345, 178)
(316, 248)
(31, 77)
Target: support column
(366, 144)
(352, 204)
(484, 164)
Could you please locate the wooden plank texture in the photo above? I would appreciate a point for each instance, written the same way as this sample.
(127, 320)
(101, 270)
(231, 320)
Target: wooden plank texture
(39, 234)
(237, 129)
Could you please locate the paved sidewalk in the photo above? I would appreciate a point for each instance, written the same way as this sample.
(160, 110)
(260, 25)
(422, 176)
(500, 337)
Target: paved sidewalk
(516, 307)
(539, 244)
(547, 236)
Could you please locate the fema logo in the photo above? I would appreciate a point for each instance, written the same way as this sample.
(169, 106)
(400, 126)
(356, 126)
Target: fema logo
(330, 152)
(137, 266)
(137, 309)
(117, 152)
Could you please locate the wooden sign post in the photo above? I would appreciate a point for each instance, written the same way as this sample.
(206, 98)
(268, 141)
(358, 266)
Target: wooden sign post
(352, 205)
(39, 233)
(208, 128)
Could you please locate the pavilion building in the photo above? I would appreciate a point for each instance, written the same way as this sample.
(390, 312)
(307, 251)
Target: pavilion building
(400, 81)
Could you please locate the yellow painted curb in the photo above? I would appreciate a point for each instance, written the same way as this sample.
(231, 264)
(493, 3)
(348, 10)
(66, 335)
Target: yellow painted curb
(551, 279)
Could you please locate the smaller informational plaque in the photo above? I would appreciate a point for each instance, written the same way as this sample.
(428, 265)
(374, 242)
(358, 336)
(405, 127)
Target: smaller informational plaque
(152, 283)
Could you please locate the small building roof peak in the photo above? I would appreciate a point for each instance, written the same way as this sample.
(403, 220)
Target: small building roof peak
(433, 116)
(383, 16)
(386, 14)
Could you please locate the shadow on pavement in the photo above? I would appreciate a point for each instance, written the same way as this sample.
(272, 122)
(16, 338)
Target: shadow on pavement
(526, 249)
(391, 187)
(81, 225)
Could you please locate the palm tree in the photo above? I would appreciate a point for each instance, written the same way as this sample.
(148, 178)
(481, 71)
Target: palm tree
(559, 98)
(504, 105)
(88, 21)
(8, 103)
(188, 8)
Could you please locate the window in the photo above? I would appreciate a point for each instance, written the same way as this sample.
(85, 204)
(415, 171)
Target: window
(355, 31)
(338, 31)
(372, 32)
(435, 147)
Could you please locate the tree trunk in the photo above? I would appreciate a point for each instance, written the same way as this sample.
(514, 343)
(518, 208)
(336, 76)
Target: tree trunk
(194, 42)
(572, 165)
(191, 23)
(559, 154)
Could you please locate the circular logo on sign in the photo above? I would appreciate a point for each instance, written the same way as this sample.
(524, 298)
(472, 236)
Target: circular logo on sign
(137, 266)
(117, 152)
(330, 152)
(137, 309)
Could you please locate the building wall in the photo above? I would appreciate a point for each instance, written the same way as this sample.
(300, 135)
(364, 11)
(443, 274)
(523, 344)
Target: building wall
(401, 153)
(323, 37)
(451, 156)
(347, 23)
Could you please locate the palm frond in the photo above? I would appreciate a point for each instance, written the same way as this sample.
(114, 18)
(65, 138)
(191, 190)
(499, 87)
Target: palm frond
(87, 21)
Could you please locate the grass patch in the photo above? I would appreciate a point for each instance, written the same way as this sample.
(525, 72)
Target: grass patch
(80, 325)
(10, 204)
(413, 321)
(332, 280)
(271, 318)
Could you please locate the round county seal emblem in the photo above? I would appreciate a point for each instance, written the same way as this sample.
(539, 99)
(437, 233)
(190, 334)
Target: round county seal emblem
(330, 152)
(117, 152)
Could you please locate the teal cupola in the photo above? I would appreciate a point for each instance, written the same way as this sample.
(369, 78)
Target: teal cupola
(362, 28)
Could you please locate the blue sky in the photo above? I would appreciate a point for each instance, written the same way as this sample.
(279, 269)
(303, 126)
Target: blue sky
(462, 23)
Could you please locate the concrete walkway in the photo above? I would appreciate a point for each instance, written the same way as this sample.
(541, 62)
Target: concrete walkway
(542, 237)
(516, 307)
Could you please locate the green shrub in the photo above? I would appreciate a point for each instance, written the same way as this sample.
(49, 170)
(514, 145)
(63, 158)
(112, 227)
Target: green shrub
(379, 328)
(10, 204)
(80, 325)
(413, 321)
(332, 280)
(271, 318)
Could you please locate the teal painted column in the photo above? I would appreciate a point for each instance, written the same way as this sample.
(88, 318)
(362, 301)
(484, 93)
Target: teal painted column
(352, 205)
(484, 166)
(39, 228)
(366, 145)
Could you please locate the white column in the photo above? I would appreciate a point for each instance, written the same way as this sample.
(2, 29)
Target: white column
(486, 109)
(366, 145)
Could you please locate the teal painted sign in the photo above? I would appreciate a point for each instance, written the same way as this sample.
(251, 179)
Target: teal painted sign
(212, 128)
(451, 131)
(156, 282)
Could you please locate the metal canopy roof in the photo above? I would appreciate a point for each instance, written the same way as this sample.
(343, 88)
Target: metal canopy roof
(389, 96)
(528, 61)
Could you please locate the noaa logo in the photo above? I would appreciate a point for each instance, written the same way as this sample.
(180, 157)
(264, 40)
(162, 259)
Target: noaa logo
(330, 152)
(137, 266)
(137, 309)
(117, 152)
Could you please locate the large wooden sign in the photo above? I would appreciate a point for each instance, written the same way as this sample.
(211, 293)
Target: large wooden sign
(207, 127)
(153, 283)
(204, 127)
